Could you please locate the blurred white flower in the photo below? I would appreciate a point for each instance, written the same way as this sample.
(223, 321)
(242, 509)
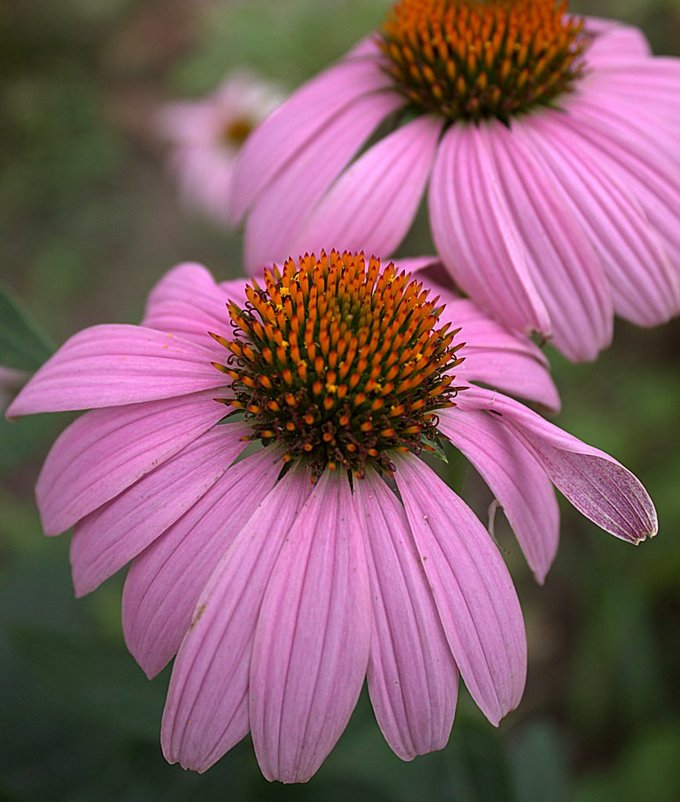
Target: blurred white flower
(206, 135)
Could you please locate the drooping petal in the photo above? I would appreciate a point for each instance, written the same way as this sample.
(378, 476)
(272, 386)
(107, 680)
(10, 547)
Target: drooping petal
(282, 137)
(107, 450)
(652, 84)
(595, 483)
(372, 205)
(646, 289)
(516, 478)
(472, 589)
(474, 234)
(206, 711)
(563, 264)
(110, 537)
(602, 112)
(276, 220)
(115, 365)
(188, 302)
(650, 174)
(164, 583)
(412, 677)
(312, 640)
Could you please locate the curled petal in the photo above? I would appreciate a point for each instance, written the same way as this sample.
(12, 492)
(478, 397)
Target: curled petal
(595, 483)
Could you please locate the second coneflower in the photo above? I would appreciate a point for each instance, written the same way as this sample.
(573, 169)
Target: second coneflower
(205, 135)
(549, 144)
(331, 553)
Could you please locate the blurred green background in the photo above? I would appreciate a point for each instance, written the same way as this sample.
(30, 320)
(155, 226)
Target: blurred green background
(89, 220)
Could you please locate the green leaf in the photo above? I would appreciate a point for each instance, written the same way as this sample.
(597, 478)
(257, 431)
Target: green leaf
(23, 343)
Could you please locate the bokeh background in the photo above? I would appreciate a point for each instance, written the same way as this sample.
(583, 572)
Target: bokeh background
(89, 220)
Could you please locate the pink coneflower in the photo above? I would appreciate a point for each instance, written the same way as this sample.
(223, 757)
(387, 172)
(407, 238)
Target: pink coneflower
(329, 552)
(549, 143)
(206, 136)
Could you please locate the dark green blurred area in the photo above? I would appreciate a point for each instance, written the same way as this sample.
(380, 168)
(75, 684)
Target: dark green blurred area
(89, 220)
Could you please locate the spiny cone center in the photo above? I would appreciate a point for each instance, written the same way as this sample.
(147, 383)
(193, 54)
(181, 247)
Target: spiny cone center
(475, 59)
(340, 362)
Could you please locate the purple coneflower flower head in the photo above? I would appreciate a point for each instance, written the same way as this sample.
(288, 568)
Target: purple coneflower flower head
(206, 136)
(549, 143)
(288, 538)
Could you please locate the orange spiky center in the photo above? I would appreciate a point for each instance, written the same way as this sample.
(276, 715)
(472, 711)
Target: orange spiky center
(475, 59)
(340, 362)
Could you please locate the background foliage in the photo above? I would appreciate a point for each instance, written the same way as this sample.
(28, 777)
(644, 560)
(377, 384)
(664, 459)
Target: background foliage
(88, 221)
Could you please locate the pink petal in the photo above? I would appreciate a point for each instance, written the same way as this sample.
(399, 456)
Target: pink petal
(653, 84)
(472, 589)
(563, 264)
(516, 478)
(276, 221)
(649, 174)
(115, 365)
(599, 110)
(474, 233)
(614, 40)
(372, 205)
(110, 537)
(508, 370)
(595, 483)
(365, 48)
(645, 287)
(497, 357)
(414, 264)
(206, 712)
(282, 137)
(311, 646)
(412, 677)
(164, 583)
(188, 302)
(107, 450)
